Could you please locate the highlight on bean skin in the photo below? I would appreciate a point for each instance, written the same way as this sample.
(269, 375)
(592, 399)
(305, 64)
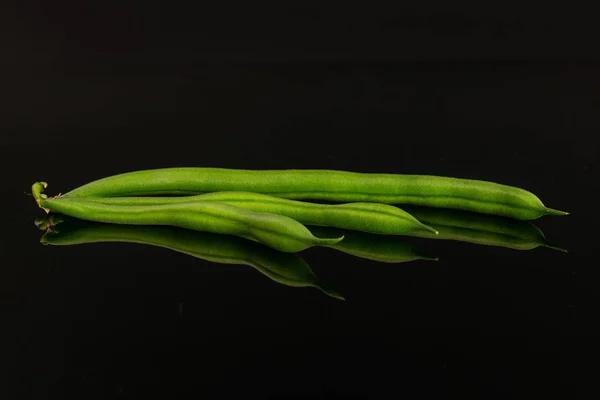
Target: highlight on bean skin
(365, 217)
(331, 185)
(285, 268)
(276, 231)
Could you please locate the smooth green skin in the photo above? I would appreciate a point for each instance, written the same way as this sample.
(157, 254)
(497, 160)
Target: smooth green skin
(480, 229)
(379, 248)
(340, 186)
(364, 217)
(285, 268)
(276, 231)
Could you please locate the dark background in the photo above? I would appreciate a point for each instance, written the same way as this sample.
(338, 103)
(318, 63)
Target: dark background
(507, 94)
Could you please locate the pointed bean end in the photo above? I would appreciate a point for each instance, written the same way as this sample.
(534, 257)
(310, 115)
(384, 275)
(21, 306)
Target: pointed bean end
(552, 211)
(329, 292)
(331, 241)
(429, 229)
(556, 248)
(336, 295)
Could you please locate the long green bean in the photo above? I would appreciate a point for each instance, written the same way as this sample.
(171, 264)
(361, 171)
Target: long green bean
(340, 186)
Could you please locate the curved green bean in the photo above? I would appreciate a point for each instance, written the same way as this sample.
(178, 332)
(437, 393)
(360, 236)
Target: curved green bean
(285, 268)
(340, 186)
(480, 229)
(276, 231)
(379, 248)
(366, 217)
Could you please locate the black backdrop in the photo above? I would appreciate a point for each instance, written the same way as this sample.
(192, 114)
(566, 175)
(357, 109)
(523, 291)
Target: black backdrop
(508, 94)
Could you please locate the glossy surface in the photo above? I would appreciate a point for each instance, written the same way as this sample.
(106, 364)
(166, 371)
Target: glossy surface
(287, 269)
(481, 229)
(432, 191)
(127, 321)
(379, 248)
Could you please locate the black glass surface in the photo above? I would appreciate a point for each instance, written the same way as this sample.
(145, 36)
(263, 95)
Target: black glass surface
(106, 93)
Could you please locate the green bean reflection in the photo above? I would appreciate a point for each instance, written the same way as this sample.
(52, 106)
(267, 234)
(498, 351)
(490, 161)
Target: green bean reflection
(369, 246)
(285, 268)
(480, 229)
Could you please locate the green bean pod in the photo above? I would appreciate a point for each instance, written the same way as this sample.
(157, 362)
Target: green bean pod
(366, 217)
(339, 186)
(481, 229)
(285, 268)
(379, 248)
(276, 231)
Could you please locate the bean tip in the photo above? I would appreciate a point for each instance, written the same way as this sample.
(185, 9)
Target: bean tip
(552, 211)
(331, 241)
(331, 293)
(550, 246)
(429, 229)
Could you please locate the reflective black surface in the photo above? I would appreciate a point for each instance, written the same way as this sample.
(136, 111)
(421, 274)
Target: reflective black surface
(124, 320)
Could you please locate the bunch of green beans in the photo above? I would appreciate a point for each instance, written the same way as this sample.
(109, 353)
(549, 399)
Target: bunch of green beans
(341, 186)
(364, 217)
(276, 231)
(270, 207)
